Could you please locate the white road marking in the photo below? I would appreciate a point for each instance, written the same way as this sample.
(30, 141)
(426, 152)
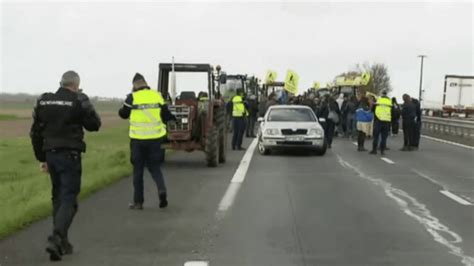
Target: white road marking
(355, 143)
(439, 183)
(241, 172)
(237, 180)
(448, 142)
(387, 160)
(196, 263)
(418, 211)
(455, 198)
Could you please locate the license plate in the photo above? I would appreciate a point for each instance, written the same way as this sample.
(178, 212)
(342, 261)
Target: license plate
(294, 138)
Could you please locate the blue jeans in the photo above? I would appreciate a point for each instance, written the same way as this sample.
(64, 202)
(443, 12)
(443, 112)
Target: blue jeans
(65, 170)
(146, 153)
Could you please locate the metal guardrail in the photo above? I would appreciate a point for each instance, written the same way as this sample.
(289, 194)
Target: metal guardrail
(452, 127)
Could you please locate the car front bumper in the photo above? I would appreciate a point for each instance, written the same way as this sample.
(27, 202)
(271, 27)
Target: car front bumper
(293, 142)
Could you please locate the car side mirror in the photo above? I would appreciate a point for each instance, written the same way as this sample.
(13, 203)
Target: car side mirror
(260, 119)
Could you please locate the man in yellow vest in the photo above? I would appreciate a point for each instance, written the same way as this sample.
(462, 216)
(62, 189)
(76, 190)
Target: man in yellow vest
(239, 112)
(382, 122)
(148, 114)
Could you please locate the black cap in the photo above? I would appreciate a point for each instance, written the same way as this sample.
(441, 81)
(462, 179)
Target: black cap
(138, 77)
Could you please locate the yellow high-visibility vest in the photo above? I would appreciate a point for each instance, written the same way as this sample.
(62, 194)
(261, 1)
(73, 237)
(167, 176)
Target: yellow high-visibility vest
(145, 117)
(238, 109)
(383, 110)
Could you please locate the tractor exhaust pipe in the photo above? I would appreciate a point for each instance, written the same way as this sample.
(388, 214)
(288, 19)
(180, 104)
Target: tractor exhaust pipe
(173, 83)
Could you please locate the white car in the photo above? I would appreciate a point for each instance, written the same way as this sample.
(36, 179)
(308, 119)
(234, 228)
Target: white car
(290, 126)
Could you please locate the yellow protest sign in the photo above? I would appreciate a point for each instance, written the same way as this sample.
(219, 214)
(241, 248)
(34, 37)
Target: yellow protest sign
(365, 78)
(270, 77)
(291, 82)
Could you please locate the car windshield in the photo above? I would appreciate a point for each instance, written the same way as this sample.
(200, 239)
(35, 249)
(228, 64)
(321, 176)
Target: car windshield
(291, 115)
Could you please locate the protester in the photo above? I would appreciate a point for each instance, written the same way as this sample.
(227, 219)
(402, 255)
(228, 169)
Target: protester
(396, 113)
(330, 112)
(364, 119)
(408, 123)
(351, 108)
(417, 129)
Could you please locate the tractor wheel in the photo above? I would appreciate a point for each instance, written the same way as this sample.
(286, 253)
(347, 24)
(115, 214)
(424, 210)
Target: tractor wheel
(212, 147)
(221, 124)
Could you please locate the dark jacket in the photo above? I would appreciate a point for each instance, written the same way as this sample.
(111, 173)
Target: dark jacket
(396, 112)
(324, 110)
(252, 107)
(408, 112)
(126, 109)
(58, 122)
(417, 110)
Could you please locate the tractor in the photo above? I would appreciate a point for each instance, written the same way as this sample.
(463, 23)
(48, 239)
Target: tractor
(200, 121)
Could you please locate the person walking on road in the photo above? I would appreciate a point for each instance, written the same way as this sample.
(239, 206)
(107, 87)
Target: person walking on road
(239, 112)
(382, 121)
(364, 118)
(408, 123)
(396, 113)
(148, 115)
(417, 129)
(57, 138)
(330, 113)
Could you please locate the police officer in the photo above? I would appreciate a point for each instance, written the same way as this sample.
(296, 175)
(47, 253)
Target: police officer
(57, 138)
(382, 122)
(239, 112)
(148, 114)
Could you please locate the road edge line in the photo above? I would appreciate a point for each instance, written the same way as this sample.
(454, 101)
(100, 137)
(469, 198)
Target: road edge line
(448, 142)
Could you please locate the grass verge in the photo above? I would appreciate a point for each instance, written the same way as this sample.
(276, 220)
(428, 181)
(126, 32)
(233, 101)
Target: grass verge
(25, 193)
(4, 117)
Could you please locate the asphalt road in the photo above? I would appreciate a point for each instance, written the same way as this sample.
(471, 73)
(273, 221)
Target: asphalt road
(345, 208)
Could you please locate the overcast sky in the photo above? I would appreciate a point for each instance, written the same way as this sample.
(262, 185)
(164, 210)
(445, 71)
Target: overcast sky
(108, 42)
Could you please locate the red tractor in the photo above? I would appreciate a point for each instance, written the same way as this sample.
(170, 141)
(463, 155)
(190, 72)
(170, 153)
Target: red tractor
(200, 120)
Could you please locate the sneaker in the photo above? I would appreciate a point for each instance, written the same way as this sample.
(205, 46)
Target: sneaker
(54, 248)
(361, 149)
(373, 152)
(404, 149)
(241, 149)
(135, 206)
(163, 200)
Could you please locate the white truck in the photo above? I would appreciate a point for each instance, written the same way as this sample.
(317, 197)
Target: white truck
(458, 96)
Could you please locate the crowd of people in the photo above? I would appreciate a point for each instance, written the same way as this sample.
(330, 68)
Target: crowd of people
(358, 117)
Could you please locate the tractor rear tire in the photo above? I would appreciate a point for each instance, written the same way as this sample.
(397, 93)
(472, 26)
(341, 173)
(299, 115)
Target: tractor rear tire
(212, 147)
(221, 124)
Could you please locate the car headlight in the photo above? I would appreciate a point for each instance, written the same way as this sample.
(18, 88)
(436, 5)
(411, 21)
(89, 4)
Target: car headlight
(316, 132)
(272, 131)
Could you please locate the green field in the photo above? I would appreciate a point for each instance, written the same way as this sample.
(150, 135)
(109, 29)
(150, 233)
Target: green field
(25, 193)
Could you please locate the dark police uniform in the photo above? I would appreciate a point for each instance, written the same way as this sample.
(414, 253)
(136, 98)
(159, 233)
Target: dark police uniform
(148, 116)
(57, 137)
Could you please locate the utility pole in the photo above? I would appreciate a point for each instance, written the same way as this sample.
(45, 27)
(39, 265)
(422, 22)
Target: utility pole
(422, 57)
